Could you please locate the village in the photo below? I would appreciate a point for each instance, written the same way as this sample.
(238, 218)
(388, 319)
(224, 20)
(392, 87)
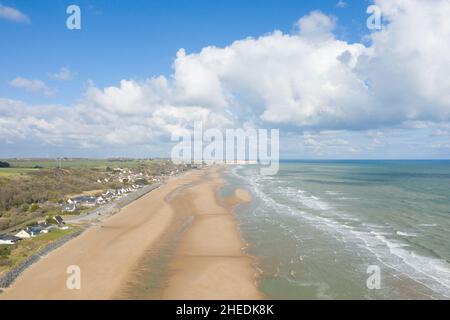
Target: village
(128, 182)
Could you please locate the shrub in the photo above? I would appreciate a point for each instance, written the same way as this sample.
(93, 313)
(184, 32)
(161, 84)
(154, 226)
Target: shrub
(5, 250)
(141, 182)
(4, 164)
(51, 220)
(34, 207)
(5, 262)
(30, 224)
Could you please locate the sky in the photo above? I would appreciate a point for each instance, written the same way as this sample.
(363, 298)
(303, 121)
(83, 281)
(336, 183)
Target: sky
(139, 71)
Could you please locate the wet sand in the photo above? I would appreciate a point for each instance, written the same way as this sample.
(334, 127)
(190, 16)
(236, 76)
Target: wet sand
(208, 262)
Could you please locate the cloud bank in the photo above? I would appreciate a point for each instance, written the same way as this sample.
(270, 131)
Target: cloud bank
(304, 83)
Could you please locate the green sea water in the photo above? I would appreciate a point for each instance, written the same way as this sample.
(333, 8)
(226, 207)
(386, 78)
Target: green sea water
(318, 227)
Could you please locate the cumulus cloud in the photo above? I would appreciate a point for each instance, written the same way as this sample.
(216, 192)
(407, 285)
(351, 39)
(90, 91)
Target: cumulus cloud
(13, 14)
(407, 65)
(306, 81)
(30, 85)
(64, 74)
(316, 26)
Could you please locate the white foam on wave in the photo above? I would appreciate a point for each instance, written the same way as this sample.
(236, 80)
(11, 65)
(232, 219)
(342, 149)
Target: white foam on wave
(406, 234)
(348, 198)
(310, 201)
(431, 272)
(421, 268)
(428, 225)
(333, 193)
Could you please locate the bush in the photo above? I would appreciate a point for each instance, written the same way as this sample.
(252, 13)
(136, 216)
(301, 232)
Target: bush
(34, 207)
(5, 250)
(5, 262)
(141, 182)
(31, 224)
(51, 220)
(4, 164)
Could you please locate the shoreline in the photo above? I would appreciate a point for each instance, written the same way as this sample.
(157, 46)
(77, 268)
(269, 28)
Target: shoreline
(109, 252)
(211, 252)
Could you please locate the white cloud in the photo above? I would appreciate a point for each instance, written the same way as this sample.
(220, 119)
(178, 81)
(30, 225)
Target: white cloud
(316, 26)
(311, 80)
(13, 14)
(64, 74)
(341, 4)
(34, 86)
(307, 81)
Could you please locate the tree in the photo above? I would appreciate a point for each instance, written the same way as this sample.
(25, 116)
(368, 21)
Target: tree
(4, 164)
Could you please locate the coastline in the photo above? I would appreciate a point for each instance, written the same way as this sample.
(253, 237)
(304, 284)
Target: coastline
(210, 262)
(208, 255)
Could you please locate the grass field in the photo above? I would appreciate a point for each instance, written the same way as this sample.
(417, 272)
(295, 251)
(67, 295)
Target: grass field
(27, 247)
(6, 172)
(40, 181)
(74, 163)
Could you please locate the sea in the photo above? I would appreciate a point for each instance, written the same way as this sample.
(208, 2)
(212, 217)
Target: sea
(348, 229)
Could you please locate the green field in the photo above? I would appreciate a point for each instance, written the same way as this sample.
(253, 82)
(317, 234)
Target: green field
(19, 164)
(12, 255)
(6, 172)
(31, 189)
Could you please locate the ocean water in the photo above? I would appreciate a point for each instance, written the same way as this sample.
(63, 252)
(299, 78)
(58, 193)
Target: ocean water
(316, 228)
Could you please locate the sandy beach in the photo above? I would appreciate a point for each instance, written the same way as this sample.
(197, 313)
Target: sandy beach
(208, 260)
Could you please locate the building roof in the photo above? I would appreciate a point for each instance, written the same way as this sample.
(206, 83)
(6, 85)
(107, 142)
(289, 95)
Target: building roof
(59, 219)
(84, 199)
(27, 230)
(69, 207)
(8, 237)
(36, 228)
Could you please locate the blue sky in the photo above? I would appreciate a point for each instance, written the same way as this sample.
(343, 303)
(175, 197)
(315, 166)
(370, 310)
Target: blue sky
(135, 39)
(339, 90)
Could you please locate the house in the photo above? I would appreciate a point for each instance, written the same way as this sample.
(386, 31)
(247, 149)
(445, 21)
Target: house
(35, 230)
(8, 239)
(71, 207)
(59, 220)
(87, 201)
(111, 192)
(23, 234)
(100, 200)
